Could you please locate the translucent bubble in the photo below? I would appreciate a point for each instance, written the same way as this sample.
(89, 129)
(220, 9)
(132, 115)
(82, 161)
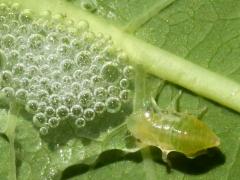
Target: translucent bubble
(32, 70)
(96, 80)
(25, 82)
(63, 49)
(113, 104)
(42, 107)
(54, 99)
(88, 5)
(77, 74)
(113, 90)
(4, 28)
(18, 69)
(89, 37)
(50, 111)
(53, 37)
(56, 74)
(31, 106)
(8, 92)
(15, 7)
(13, 55)
(77, 110)
(65, 40)
(75, 87)
(83, 58)
(43, 131)
(67, 79)
(125, 95)
(3, 59)
(124, 83)
(129, 72)
(8, 41)
(86, 84)
(110, 72)
(82, 25)
(85, 98)
(6, 77)
(53, 122)
(68, 99)
(39, 119)
(100, 93)
(23, 29)
(76, 44)
(56, 86)
(25, 16)
(2, 19)
(35, 27)
(99, 107)
(42, 95)
(80, 122)
(89, 114)
(35, 41)
(94, 69)
(52, 59)
(62, 111)
(67, 65)
(3, 8)
(21, 95)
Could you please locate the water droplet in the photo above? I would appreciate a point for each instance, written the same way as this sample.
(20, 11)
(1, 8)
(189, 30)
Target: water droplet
(80, 122)
(50, 111)
(77, 110)
(110, 72)
(99, 107)
(85, 98)
(100, 93)
(53, 122)
(43, 131)
(39, 119)
(8, 92)
(31, 106)
(125, 95)
(113, 104)
(83, 58)
(113, 90)
(42, 107)
(89, 114)
(6, 77)
(62, 111)
(54, 99)
(124, 83)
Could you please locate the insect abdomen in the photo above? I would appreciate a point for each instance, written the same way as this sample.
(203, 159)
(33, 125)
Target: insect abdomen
(172, 132)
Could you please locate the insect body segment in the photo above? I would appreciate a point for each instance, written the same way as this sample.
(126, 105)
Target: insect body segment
(172, 132)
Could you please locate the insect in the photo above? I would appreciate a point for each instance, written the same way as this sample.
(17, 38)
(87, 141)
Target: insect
(171, 130)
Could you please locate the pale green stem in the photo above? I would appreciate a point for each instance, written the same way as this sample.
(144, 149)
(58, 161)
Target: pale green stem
(140, 20)
(154, 60)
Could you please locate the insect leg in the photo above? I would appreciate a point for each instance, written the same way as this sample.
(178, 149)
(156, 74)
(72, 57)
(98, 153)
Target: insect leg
(173, 106)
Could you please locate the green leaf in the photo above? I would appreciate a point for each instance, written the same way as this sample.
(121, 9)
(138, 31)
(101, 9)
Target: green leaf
(202, 31)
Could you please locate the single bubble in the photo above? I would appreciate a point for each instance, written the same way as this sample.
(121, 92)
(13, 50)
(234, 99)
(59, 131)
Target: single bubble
(68, 99)
(35, 41)
(129, 72)
(63, 49)
(25, 16)
(42, 107)
(125, 95)
(52, 59)
(50, 111)
(62, 111)
(88, 5)
(89, 114)
(18, 69)
(39, 119)
(2, 19)
(35, 27)
(21, 95)
(110, 72)
(99, 107)
(29, 58)
(15, 7)
(8, 41)
(77, 110)
(32, 70)
(83, 58)
(67, 79)
(4, 28)
(82, 26)
(86, 84)
(65, 40)
(43, 131)
(56, 74)
(6, 76)
(54, 99)
(86, 75)
(3, 59)
(14, 23)
(77, 74)
(8, 92)
(54, 122)
(113, 104)
(25, 82)
(75, 87)
(31, 106)
(23, 29)
(100, 93)
(3, 8)
(89, 37)
(85, 98)
(67, 65)
(76, 44)
(42, 95)
(94, 69)
(80, 122)
(56, 86)
(124, 83)
(96, 80)
(22, 48)
(53, 37)
(113, 90)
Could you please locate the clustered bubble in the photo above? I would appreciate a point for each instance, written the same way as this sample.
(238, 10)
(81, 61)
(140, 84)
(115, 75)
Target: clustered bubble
(58, 70)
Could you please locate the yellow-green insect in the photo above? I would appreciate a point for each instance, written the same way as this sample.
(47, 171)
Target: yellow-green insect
(170, 130)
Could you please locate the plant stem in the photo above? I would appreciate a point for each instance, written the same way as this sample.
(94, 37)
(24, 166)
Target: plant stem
(155, 61)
